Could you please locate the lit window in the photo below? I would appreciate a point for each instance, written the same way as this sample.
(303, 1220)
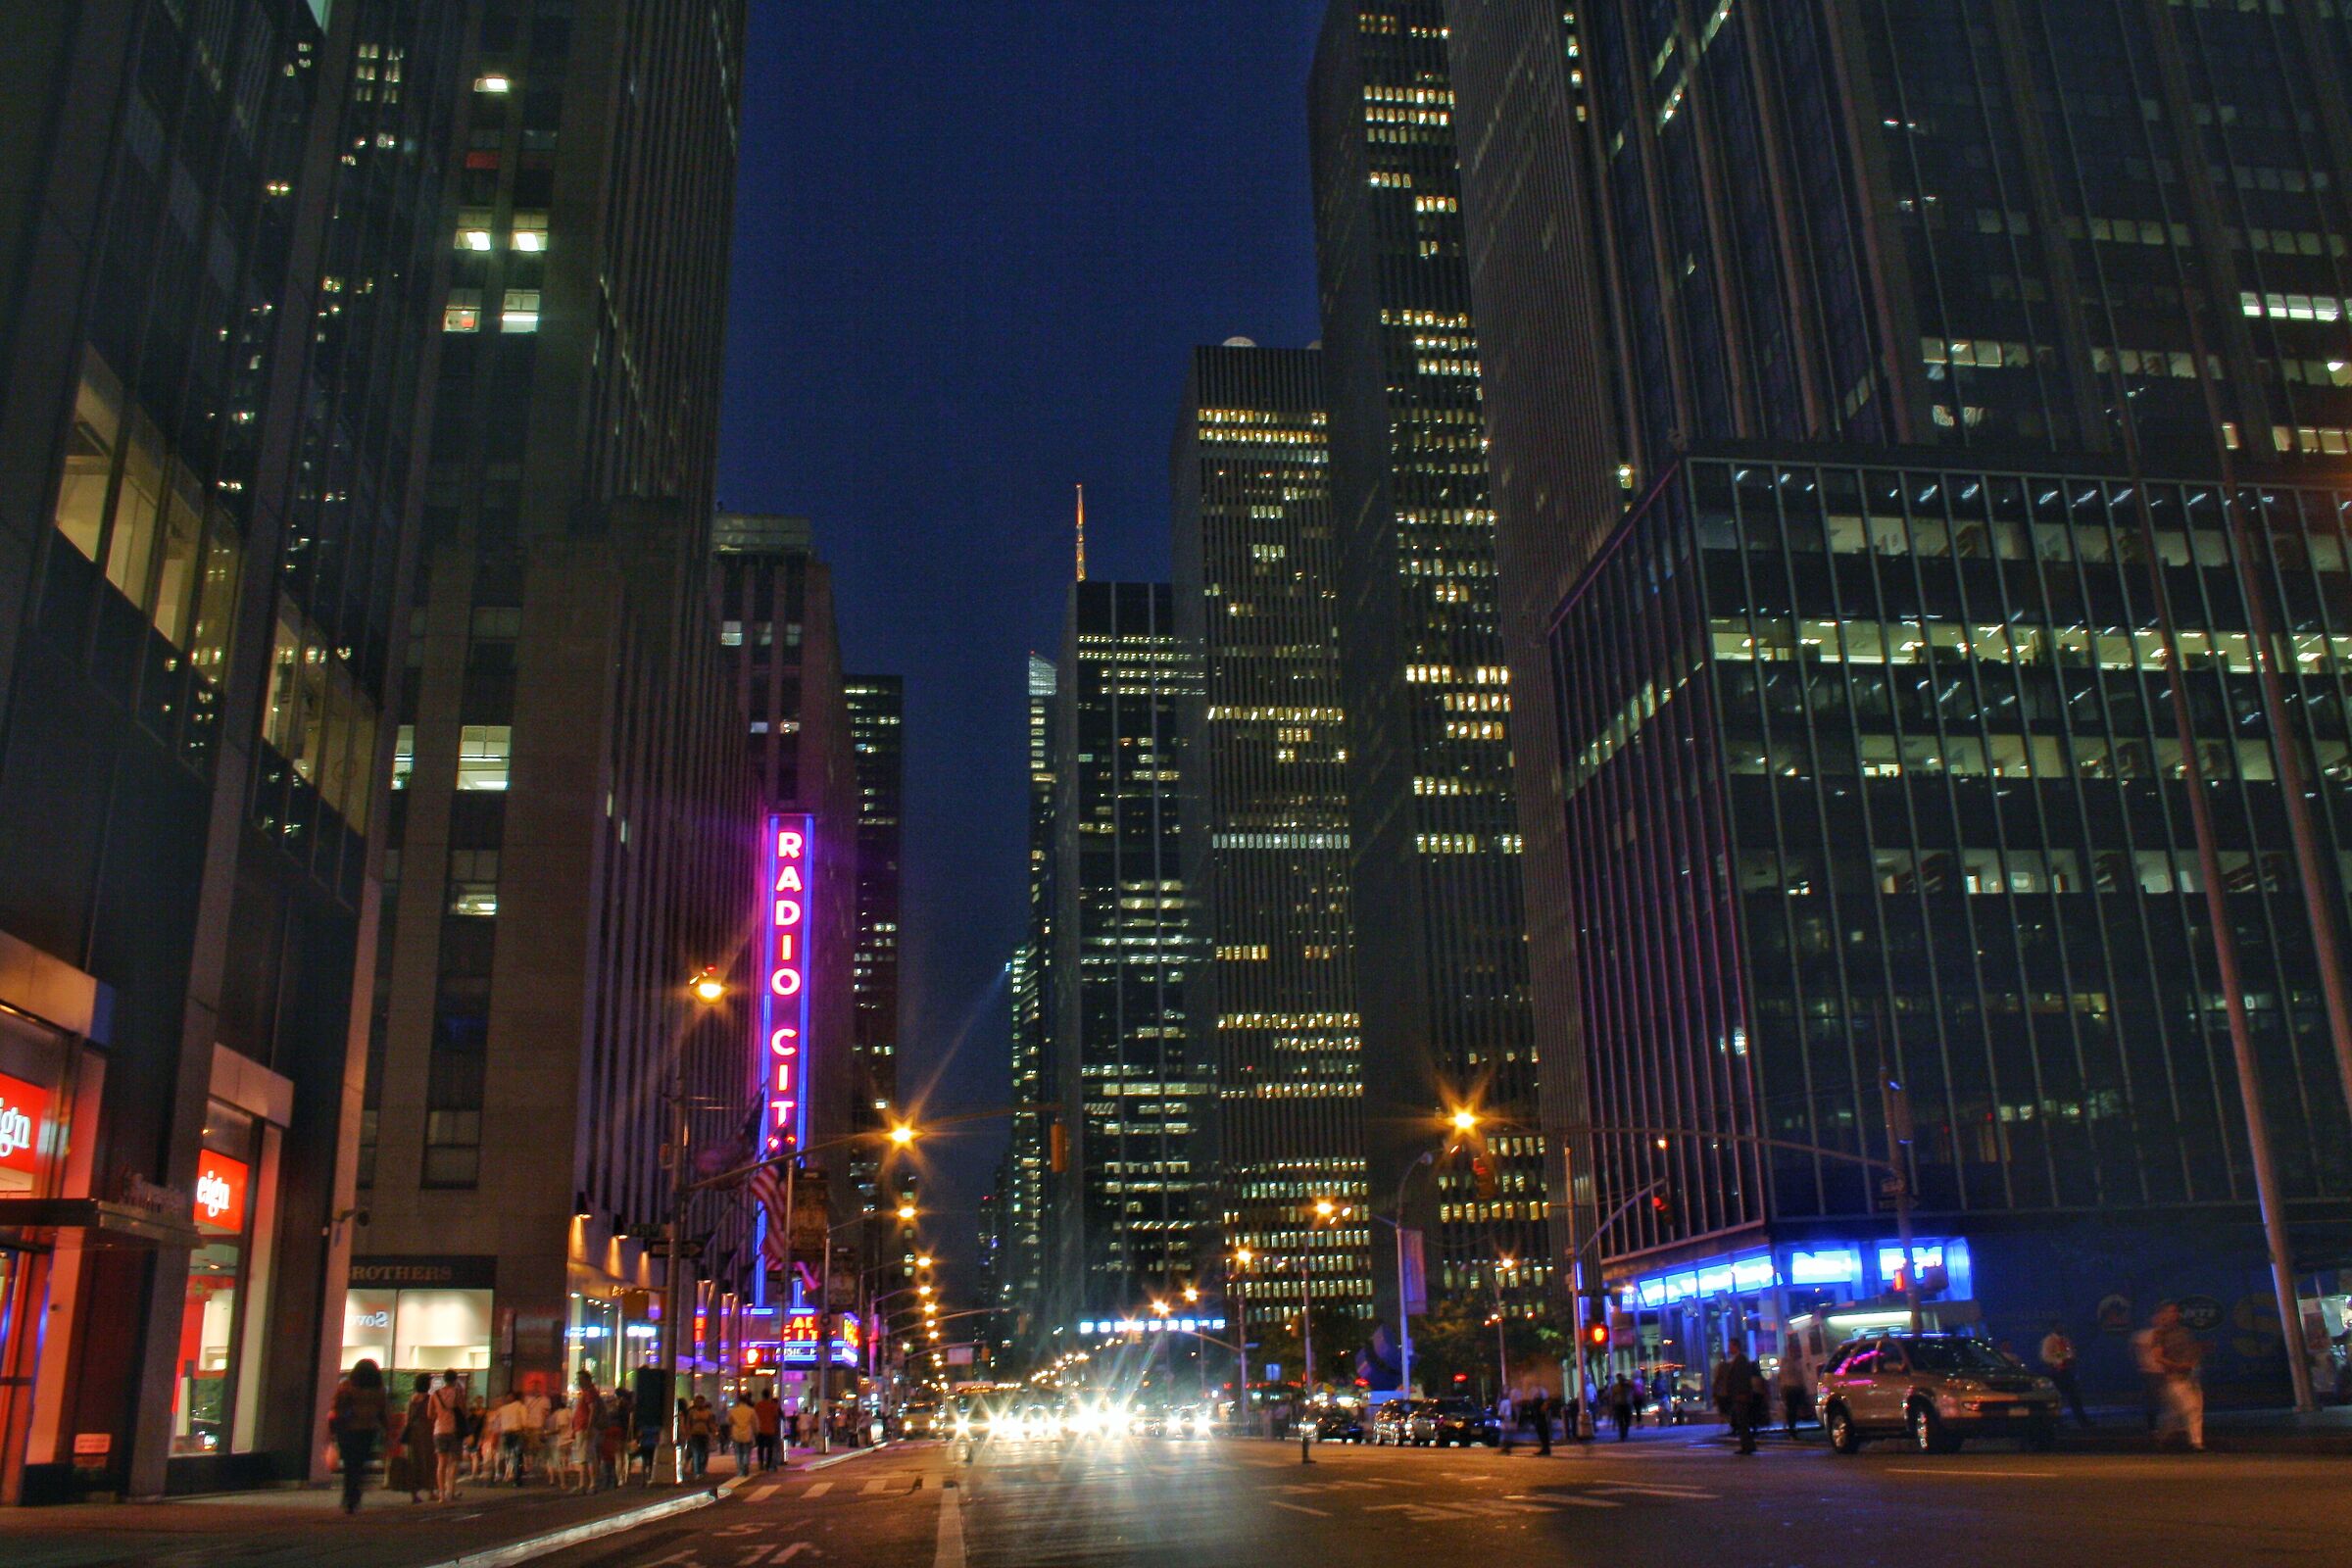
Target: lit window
(530, 232)
(495, 81)
(404, 757)
(464, 311)
(482, 753)
(473, 228)
(522, 311)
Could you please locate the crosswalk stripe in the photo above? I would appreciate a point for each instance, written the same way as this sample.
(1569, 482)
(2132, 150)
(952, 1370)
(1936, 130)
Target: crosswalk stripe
(1567, 1503)
(819, 1489)
(763, 1494)
(876, 1486)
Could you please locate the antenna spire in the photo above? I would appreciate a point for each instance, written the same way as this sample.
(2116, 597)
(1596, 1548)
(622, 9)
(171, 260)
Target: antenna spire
(1082, 533)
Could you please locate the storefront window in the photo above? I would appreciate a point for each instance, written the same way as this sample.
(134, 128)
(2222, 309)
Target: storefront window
(594, 1342)
(408, 1332)
(208, 1321)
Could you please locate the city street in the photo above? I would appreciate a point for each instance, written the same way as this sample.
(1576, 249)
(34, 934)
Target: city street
(1030, 1504)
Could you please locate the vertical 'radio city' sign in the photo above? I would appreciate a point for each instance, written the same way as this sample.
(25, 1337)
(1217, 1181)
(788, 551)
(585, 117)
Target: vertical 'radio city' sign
(787, 859)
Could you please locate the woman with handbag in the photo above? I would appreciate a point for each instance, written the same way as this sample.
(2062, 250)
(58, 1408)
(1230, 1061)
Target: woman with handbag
(355, 1420)
(410, 1469)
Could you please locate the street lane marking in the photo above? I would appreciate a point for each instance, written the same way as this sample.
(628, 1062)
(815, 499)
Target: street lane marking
(819, 1489)
(1651, 1490)
(1971, 1475)
(763, 1494)
(876, 1486)
(1567, 1503)
(949, 1552)
(1299, 1507)
(793, 1551)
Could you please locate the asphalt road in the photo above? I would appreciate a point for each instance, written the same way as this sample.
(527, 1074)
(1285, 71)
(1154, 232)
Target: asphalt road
(1108, 1503)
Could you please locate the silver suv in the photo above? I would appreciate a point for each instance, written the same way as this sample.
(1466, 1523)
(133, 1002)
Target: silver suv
(1935, 1388)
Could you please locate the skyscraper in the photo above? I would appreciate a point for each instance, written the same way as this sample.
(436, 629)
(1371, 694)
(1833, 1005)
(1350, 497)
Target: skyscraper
(875, 705)
(1271, 1004)
(1028, 1158)
(1939, 718)
(220, 251)
(1441, 947)
(1128, 1204)
(574, 812)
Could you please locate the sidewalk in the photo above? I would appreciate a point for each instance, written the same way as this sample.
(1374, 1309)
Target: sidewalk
(298, 1526)
(2122, 1429)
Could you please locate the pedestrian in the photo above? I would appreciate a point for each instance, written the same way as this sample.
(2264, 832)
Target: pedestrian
(699, 1427)
(2151, 1375)
(2058, 1361)
(449, 1435)
(481, 1438)
(409, 1467)
(1738, 1393)
(532, 1425)
(2179, 1356)
(1795, 1405)
(771, 1420)
(620, 1431)
(587, 1427)
(743, 1429)
(1539, 1410)
(1621, 1405)
(1506, 1417)
(356, 1419)
(510, 1419)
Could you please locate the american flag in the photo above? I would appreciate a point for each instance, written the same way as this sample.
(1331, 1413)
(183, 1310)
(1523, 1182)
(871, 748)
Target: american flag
(767, 1188)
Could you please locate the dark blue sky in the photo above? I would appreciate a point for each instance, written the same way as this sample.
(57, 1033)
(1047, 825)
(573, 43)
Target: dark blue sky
(974, 240)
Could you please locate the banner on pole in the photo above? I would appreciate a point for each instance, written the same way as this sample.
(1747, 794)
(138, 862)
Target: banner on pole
(1414, 1284)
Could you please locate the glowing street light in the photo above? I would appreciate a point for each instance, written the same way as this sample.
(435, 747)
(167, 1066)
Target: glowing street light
(1465, 1120)
(902, 1134)
(907, 1212)
(710, 988)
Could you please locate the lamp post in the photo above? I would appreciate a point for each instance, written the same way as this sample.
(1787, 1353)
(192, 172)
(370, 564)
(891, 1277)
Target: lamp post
(1502, 1361)
(709, 988)
(1242, 1256)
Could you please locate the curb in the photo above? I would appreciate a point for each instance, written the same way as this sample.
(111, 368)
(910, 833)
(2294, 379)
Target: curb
(529, 1547)
(844, 1458)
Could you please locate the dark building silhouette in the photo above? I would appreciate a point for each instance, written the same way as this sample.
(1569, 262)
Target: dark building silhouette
(221, 252)
(1441, 946)
(1976, 371)
(576, 807)
(1024, 1177)
(1272, 1002)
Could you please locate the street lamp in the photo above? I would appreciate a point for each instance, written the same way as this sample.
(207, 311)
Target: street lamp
(708, 987)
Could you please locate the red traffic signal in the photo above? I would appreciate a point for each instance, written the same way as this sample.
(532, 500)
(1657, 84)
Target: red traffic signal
(1596, 1335)
(1462, 1377)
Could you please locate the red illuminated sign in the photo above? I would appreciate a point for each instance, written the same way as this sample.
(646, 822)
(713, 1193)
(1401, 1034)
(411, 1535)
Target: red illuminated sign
(24, 1123)
(221, 1186)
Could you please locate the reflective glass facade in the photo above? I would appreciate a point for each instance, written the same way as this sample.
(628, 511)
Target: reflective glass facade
(1867, 763)
(1129, 1204)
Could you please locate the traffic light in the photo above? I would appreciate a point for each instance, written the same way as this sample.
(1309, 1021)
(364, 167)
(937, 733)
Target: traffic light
(1661, 1207)
(1596, 1334)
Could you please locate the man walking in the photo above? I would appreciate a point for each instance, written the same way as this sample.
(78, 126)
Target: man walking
(1545, 1405)
(1738, 1391)
(1506, 1417)
(2058, 1361)
(1793, 1405)
(743, 1431)
(772, 1422)
(1621, 1405)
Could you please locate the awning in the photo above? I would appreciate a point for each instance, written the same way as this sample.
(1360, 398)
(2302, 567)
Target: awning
(100, 1223)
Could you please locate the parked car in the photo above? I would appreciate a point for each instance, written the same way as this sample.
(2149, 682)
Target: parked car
(1392, 1423)
(1935, 1388)
(1451, 1423)
(1339, 1423)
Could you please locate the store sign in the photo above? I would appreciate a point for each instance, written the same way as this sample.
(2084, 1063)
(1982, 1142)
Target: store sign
(799, 1348)
(23, 1113)
(787, 875)
(220, 1187)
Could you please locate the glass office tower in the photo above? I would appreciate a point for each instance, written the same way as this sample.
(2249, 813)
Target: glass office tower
(1874, 770)
(1273, 1004)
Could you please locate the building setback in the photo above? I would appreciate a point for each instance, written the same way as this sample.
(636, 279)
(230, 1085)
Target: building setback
(1271, 1004)
(1981, 428)
(1127, 1205)
(220, 251)
(1440, 945)
(574, 813)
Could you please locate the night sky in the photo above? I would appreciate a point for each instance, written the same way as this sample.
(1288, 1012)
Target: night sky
(974, 242)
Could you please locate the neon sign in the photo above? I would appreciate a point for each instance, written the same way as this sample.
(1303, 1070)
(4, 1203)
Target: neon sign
(221, 1185)
(787, 865)
(798, 1346)
(24, 1110)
